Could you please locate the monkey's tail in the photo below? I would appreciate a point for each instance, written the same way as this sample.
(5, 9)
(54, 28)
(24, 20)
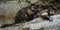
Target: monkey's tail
(7, 25)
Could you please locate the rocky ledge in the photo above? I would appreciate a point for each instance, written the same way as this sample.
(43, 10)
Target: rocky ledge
(38, 24)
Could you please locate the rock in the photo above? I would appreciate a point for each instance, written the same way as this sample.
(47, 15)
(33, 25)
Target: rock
(38, 24)
(45, 25)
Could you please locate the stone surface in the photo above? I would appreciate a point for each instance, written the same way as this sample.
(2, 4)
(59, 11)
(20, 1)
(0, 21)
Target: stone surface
(38, 24)
(45, 25)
